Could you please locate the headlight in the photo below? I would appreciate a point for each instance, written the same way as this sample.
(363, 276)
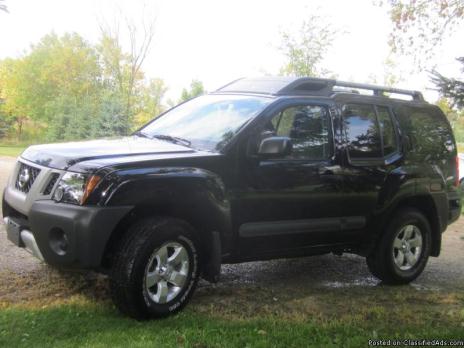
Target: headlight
(75, 188)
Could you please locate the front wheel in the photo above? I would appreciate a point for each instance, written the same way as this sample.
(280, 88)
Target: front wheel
(156, 268)
(402, 252)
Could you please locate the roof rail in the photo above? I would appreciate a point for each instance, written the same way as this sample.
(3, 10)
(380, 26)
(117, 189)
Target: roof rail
(307, 86)
(380, 90)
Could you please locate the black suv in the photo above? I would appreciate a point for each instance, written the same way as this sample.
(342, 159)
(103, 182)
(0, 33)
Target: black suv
(260, 169)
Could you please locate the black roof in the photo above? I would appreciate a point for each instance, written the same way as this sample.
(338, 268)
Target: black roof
(310, 86)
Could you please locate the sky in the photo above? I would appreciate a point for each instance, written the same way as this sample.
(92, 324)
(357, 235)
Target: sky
(219, 41)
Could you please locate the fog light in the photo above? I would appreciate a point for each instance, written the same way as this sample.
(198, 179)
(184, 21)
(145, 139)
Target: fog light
(58, 241)
(59, 193)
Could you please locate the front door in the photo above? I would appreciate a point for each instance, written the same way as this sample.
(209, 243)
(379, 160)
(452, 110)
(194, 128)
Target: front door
(287, 205)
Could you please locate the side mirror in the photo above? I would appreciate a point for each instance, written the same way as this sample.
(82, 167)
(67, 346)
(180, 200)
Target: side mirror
(275, 147)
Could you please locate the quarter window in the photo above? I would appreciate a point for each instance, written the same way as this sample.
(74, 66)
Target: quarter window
(429, 131)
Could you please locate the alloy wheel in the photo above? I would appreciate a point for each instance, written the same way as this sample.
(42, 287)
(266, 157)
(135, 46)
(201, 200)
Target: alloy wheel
(167, 272)
(407, 247)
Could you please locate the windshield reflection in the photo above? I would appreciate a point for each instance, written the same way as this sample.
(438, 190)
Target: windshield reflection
(209, 122)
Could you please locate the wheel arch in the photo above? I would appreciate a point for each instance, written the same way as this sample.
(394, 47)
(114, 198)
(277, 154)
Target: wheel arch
(197, 197)
(427, 206)
(149, 211)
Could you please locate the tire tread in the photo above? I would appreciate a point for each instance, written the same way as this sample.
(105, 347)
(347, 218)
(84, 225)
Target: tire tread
(122, 273)
(378, 262)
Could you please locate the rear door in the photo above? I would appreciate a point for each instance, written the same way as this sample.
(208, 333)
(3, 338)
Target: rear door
(371, 154)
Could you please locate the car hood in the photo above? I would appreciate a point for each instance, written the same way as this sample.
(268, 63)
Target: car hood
(65, 155)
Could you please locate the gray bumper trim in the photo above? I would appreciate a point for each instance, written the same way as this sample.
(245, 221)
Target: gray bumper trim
(29, 241)
(31, 245)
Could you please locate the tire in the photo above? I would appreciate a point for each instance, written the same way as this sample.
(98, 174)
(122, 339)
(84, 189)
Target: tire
(155, 269)
(398, 257)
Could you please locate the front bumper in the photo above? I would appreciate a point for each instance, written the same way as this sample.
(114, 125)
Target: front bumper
(455, 206)
(66, 235)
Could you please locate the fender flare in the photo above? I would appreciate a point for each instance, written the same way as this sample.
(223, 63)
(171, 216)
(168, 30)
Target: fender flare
(195, 195)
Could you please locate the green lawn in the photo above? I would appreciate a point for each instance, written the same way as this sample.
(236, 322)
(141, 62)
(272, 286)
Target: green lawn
(244, 318)
(11, 150)
(91, 325)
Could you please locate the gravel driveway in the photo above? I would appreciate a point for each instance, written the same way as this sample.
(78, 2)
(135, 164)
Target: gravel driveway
(23, 278)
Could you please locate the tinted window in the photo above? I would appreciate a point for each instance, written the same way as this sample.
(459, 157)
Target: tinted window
(387, 130)
(309, 128)
(362, 131)
(430, 137)
(208, 122)
(430, 132)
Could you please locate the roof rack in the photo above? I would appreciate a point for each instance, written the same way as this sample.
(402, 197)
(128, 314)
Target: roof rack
(381, 90)
(308, 86)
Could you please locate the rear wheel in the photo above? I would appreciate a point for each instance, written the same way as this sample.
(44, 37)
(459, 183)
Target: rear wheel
(402, 252)
(156, 268)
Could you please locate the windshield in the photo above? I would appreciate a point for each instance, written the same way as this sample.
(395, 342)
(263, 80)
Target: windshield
(207, 122)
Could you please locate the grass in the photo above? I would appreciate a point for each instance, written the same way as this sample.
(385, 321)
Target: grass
(89, 324)
(333, 318)
(460, 147)
(11, 150)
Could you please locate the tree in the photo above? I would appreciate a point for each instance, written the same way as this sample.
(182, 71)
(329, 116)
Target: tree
(124, 70)
(77, 90)
(110, 119)
(419, 26)
(58, 82)
(390, 76)
(196, 89)
(150, 102)
(15, 107)
(5, 125)
(450, 88)
(55, 82)
(452, 100)
(305, 50)
(61, 66)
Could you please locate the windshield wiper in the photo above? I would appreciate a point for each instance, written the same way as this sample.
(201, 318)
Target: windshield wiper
(141, 134)
(172, 139)
(169, 138)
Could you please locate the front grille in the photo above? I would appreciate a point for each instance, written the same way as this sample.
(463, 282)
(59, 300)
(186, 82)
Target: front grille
(26, 177)
(51, 183)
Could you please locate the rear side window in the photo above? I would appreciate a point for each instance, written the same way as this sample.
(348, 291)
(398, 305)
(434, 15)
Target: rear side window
(369, 130)
(362, 131)
(429, 131)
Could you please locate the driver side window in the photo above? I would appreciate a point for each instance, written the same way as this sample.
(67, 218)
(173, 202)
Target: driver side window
(308, 127)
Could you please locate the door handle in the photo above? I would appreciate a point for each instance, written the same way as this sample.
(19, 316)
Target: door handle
(329, 170)
(325, 172)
